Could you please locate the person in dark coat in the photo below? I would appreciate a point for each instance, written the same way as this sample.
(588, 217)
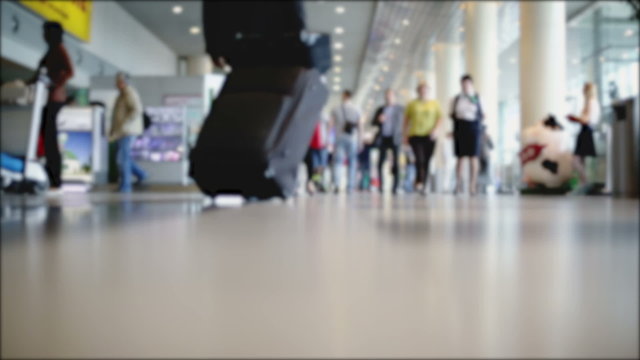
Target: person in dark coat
(388, 119)
(467, 116)
(59, 70)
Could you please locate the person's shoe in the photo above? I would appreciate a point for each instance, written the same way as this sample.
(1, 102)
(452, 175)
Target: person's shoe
(54, 191)
(310, 188)
(319, 186)
(124, 190)
(140, 182)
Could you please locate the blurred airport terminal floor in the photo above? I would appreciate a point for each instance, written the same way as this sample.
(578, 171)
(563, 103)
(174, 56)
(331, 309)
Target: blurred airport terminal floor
(158, 275)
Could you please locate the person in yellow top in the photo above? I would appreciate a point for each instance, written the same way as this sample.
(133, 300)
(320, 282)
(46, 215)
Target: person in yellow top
(422, 117)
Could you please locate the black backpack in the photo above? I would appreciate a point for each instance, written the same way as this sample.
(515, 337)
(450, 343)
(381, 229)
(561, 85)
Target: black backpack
(146, 120)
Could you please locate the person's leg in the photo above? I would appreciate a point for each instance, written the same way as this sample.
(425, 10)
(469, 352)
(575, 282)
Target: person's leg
(459, 167)
(353, 163)
(429, 146)
(308, 162)
(578, 165)
(324, 156)
(124, 149)
(418, 151)
(395, 166)
(473, 168)
(51, 146)
(138, 172)
(338, 163)
(316, 172)
(381, 159)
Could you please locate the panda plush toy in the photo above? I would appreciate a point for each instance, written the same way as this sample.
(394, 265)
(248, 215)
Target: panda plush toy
(544, 158)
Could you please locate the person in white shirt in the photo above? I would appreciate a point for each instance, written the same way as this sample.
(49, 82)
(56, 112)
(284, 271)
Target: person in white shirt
(346, 120)
(467, 116)
(590, 115)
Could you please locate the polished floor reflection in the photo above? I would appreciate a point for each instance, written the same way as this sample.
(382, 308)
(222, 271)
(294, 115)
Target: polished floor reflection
(157, 275)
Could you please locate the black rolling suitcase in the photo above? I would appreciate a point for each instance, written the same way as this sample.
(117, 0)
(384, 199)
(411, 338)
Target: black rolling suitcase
(260, 125)
(258, 132)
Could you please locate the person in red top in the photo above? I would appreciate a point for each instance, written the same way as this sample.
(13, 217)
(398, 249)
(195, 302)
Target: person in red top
(315, 158)
(59, 70)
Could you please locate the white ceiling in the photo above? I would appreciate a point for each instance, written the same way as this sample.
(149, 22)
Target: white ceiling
(173, 29)
(369, 44)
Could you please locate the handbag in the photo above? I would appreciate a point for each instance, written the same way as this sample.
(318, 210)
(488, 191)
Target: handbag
(348, 126)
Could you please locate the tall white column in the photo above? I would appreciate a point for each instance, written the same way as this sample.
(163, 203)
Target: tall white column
(448, 66)
(481, 55)
(199, 65)
(542, 60)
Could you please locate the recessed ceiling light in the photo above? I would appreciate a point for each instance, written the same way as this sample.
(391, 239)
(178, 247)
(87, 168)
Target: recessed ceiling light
(177, 9)
(194, 30)
(337, 69)
(336, 87)
(405, 22)
(338, 30)
(385, 68)
(337, 58)
(628, 33)
(340, 9)
(337, 79)
(397, 41)
(338, 46)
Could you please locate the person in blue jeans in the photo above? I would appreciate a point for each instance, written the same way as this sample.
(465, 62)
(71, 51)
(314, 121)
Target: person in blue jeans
(127, 124)
(346, 120)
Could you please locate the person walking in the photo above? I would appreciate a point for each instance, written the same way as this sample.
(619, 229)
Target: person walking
(388, 120)
(127, 124)
(347, 124)
(590, 115)
(467, 116)
(315, 159)
(423, 117)
(59, 70)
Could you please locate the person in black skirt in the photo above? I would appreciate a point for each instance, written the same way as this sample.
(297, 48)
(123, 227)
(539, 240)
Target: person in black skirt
(589, 116)
(467, 116)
